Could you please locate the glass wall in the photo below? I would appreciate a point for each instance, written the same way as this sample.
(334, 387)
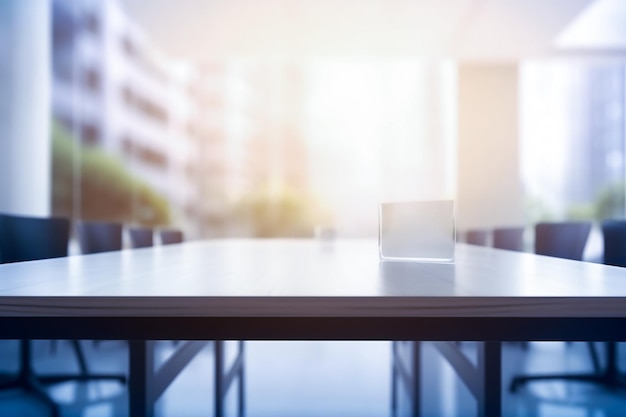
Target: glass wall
(95, 112)
(254, 147)
(573, 121)
(270, 146)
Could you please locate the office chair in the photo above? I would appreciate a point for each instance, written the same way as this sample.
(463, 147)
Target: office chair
(32, 238)
(96, 237)
(565, 240)
(141, 237)
(509, 238)
(170, 236)
(28, 239)
(614, 235)
(477, 237)
(562, 240)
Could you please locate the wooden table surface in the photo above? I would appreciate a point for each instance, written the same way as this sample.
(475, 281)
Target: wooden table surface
(307, 278)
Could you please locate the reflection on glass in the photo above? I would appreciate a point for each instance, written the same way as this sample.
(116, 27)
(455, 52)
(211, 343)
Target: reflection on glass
(150, 134)
(417, 231)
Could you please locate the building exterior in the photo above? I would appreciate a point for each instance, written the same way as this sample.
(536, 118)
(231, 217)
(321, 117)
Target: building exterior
(596, 153)
(204, 135)
(113, 89)
(574, 137)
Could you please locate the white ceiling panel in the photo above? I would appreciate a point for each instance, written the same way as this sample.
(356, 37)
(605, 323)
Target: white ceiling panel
(464, 29)
(602, 27)
(509, 29)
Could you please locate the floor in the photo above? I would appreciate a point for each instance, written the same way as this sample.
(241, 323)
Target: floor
(301, 379)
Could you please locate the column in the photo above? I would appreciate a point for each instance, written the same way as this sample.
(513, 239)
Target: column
(25, 165)
(490, 191)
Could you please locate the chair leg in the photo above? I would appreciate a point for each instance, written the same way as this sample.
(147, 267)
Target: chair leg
(27, 380)
(80, 356)
(84, 375)
(30, 384)
(609, 377)
(594, 357)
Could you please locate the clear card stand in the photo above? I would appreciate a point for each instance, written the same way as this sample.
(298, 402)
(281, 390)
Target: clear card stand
(417, 231)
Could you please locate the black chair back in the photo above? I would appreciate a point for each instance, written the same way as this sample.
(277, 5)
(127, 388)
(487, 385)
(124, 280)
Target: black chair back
(477, 237)
(614, 234)
(96, 237)
(563, 240)
(31, 238)
(170, 236)
(509, 238)
(141, 237)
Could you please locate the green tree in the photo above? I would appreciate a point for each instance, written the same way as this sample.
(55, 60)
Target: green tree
(286, 213)
(108, 191)
(610, 202)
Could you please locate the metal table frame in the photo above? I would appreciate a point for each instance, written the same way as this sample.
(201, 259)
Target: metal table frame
(147, 384)
(483, 381)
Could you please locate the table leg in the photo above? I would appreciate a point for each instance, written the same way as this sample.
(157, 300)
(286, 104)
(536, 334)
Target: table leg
(225, 377)
(219, 378)
(416, 386)
(141, 375)
(489, 368)
(241, 380)
(483, 380)
(406, 376)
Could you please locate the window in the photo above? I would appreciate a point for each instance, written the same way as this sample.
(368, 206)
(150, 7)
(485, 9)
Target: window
(90, 134)
(91, 23)
(91, 79)
(573, 120)
(143, 153)
(144, 105)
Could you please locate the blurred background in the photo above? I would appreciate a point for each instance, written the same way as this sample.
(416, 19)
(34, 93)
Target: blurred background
(269, 118)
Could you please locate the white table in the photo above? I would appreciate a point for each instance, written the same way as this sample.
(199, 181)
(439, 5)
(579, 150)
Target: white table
(305, 289)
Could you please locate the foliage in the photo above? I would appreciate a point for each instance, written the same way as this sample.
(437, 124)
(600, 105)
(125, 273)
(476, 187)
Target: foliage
(106, 187)
(580, 212)
(538, 211)
(610, 202)
(285, 213)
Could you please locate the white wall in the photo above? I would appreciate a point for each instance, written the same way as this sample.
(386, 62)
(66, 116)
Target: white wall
(25, 165)
(489, 192)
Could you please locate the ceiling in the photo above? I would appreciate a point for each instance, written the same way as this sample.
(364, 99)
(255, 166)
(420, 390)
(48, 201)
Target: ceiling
(482, 30)
(601, 28)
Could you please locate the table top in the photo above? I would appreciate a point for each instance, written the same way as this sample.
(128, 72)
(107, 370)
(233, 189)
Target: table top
(307, 278)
